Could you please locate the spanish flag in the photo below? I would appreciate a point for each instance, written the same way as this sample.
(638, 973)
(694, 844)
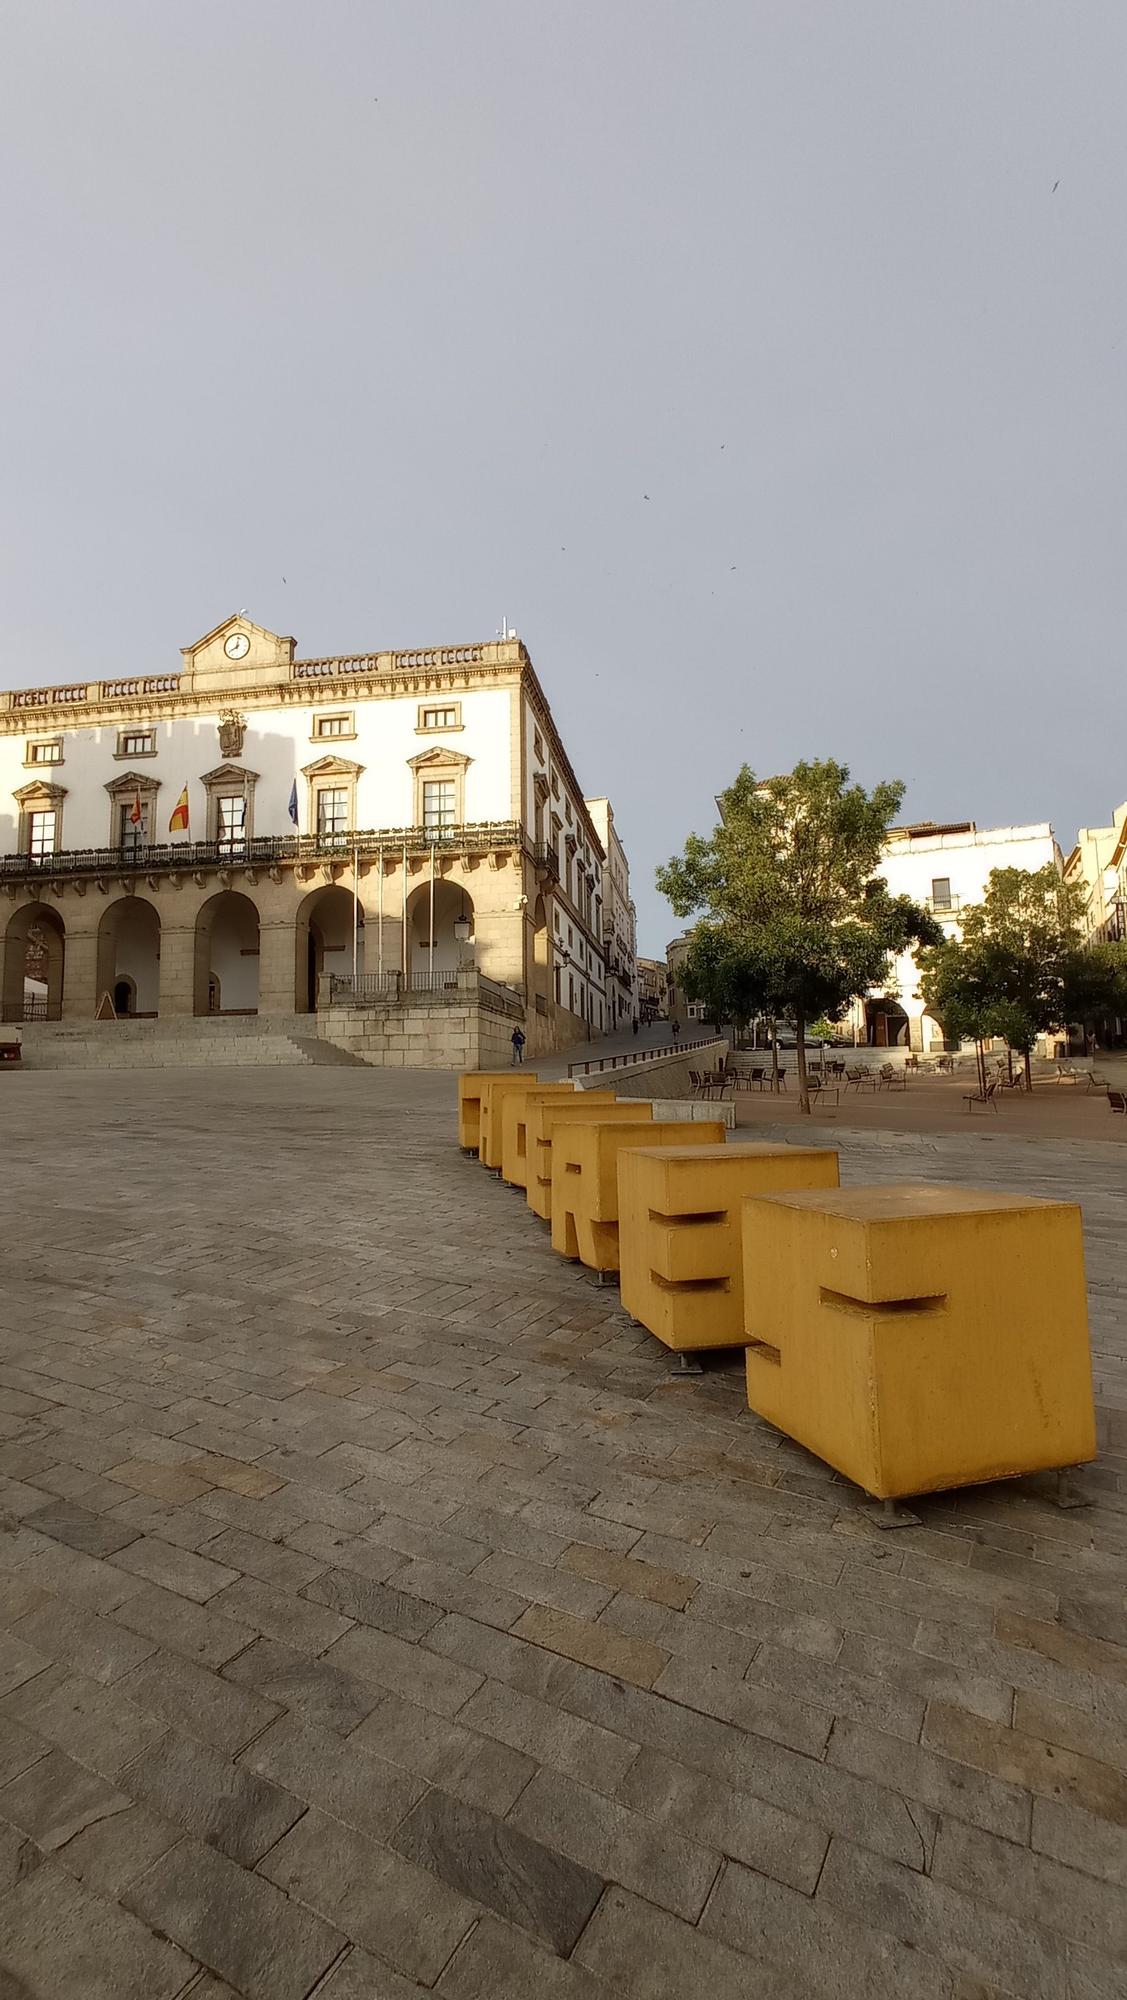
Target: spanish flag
(137, 814)
(179, 822)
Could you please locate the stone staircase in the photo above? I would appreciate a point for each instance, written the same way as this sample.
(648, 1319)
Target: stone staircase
(179, 1044)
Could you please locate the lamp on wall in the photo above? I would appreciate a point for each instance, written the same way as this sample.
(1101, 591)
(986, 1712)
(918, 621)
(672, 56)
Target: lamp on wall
(463, 925)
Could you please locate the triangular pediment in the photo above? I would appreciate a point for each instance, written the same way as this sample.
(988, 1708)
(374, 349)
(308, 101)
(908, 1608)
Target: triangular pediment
(427, 759)
(332, 767)
(132, 781)
(229, 774)
(238, 653)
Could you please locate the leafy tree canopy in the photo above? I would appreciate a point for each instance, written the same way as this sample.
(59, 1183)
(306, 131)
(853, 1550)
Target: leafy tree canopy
(794, 919)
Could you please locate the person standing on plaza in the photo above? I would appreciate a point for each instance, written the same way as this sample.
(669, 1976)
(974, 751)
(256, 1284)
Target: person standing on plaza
(635, 1024)
(676, 1031)
(518, 1046)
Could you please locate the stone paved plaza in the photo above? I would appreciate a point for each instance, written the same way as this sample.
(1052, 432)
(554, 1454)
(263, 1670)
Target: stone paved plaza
(379, 1617)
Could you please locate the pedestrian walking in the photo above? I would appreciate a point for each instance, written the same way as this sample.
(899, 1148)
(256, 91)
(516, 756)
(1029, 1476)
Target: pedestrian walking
(635, 1024)
(518, 1047)
(676, 1030)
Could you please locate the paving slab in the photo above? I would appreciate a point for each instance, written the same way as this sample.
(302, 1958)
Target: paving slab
(377, 1616)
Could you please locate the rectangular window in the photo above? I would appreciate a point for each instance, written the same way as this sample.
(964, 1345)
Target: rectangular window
(230, 822)
(41, 829)
(137, 743)
(332, 813)
(439, 802)
(941, 892)
(132, 834)
(334, 725)
(446, 715)
(48, 752)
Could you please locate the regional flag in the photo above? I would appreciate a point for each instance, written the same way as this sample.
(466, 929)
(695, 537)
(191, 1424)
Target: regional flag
(137, 814)
(179, 823)
(293, 802)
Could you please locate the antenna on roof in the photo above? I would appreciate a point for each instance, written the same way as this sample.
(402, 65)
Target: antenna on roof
(507, 631)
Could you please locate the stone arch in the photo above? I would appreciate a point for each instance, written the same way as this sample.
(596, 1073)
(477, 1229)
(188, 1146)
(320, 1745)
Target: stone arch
(34, 956)
(323, 940)
(226, 955)
(887, 1024)
(129, 952)
(452, 954)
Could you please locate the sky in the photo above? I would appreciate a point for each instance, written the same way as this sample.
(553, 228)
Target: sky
(763, 364)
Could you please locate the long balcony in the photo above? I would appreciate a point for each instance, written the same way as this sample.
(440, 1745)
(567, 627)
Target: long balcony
(286, 850)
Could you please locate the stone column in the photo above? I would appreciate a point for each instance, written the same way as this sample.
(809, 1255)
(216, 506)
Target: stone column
(176, 994)
(80, 975)
(277, 966)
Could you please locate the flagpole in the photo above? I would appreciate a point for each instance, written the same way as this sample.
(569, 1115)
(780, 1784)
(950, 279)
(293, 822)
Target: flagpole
(379, 946)
(355, 911)
(432, 914)
(404, 940)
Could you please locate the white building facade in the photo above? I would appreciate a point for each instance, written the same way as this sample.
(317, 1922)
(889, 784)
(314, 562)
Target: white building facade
(1098, 865)
(942, 868)
(620, 942)
(225, 838)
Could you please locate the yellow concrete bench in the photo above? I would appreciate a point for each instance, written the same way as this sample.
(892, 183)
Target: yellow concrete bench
(920, 1337)
(493, 1091)
(514, 1126)
(585, 1179)
(469, 1102)
(545, 1119)
(680, 1232)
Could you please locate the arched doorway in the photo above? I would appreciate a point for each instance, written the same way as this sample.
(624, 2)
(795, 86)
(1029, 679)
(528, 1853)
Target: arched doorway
(226, 956)
(886, 1024)
(326, 921)
(34, 954)
(445, 951)
(541, 959)
(129, 956)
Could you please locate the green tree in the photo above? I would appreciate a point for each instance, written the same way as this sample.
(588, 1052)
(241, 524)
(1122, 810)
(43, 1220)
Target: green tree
(1020, 969)
(795, 921)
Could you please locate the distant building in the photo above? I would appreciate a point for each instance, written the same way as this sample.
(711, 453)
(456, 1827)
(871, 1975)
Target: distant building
(653, 988)
(944, 868)
(619, 924)
(678, 1007)
(1098, 865)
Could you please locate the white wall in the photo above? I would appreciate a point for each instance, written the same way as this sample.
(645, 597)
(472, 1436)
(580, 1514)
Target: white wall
(967, 861)
(278, 743)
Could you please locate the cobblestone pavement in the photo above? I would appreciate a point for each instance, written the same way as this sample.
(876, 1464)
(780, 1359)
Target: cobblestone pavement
(378, 1617)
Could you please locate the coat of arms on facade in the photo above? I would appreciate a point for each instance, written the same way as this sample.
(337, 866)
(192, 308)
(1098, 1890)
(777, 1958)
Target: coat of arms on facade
(232, 729)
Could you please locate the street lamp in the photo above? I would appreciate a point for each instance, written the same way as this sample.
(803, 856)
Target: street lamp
(463, 925)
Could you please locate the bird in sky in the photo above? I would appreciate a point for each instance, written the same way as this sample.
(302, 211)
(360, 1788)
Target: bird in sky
(1056, 185)
(645, 496)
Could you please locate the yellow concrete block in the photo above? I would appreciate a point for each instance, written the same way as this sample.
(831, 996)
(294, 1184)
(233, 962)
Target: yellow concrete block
(585, 1180)
(514, 1126)
(679, 1226)
(469, 1101)
(543, 1120)
(492, 1090)
(920, 1337)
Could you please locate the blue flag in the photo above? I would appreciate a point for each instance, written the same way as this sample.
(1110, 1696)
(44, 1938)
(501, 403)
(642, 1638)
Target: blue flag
(293, 802)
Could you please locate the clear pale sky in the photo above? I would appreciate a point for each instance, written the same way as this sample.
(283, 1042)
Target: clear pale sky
(382, 320)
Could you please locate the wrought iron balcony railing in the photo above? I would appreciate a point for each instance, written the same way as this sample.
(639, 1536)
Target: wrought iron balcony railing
(483, 837)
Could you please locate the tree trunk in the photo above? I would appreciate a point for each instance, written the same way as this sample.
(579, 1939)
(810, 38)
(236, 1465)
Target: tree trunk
(774, 1055)
(800, 1051)
(980, 1054)
(1028, 1073)
(1010, 1062)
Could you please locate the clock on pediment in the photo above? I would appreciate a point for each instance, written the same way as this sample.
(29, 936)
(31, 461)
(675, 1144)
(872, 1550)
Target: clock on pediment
(237, 654)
